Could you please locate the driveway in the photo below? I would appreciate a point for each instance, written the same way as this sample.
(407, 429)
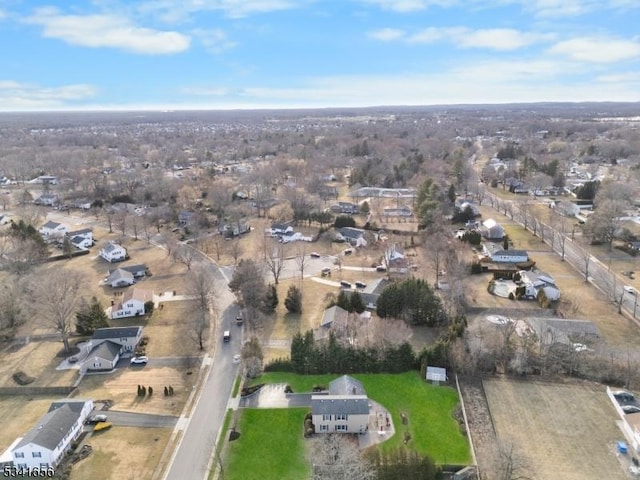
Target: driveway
(131, 419)
(273, 396)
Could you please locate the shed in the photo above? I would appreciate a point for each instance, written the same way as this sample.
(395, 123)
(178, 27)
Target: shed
(436, 374)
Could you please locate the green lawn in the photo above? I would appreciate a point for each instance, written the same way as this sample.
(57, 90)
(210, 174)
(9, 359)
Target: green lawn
(270, 447)
(433, 429)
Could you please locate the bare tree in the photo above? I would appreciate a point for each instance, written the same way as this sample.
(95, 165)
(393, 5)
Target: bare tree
(109, 214)
(58, 296)
(200, 327)
(273, 259)
(236, 250)
(336, 457)
(201, 286)
(185, 255)
(302, 259)
(135, 226)
(121, 221)
(585, 256)
(169, 242)
(30, 214)
(511, 464)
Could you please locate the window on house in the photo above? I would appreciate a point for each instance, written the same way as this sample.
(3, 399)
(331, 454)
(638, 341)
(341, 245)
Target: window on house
(22, 466)
(19, 454)
(36, 454)
(341, 428)
(326, 417)
(324, 428)
(44, 465)
(341, 416)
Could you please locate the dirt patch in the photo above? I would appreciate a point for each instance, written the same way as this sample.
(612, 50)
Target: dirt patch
(143, 447)
(564, 430)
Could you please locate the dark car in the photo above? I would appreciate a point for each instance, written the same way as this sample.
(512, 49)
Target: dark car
(345, 284)
(381, 268)
(360, 285)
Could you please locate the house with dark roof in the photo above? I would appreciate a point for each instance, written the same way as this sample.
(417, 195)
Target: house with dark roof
(53, 229)
(132, 303)
(509, 256)
(112, 252)
(109, 344)
(47, 442)
(120, 278)
(48, 199)
(138, 271)
(333, 316)
(345, 409)
(371, 292)
(353, 236)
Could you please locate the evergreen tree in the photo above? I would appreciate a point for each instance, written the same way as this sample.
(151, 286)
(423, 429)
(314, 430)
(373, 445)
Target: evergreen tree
(343, 301)
(293, 302)
(451, 194)
(91, 316)
(271, 299)
(356, 303)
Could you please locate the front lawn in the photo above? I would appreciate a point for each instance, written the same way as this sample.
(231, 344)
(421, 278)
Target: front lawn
(271, 445)
(429, 409)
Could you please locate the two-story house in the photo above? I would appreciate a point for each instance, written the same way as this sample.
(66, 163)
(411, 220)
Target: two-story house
(108, 345)
(52, 230)
(345, 409)
(112, 252)
(132, 303)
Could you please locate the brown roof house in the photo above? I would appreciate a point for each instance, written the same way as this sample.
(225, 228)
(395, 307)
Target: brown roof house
(132, 303)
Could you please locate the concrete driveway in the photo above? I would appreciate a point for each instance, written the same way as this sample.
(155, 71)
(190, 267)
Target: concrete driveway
(273, 396)
(131, 419)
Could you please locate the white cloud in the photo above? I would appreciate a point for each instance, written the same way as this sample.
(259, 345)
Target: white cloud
(387, 34)
(405, 6)
(104, 30)
(597, 49)
(22, 96)
(215, 41)
(174, 11)
(623, 77)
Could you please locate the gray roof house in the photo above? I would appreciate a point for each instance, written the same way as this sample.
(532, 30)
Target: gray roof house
(120, 278)
(491, 230)
(139, 270)
(108, 344)
(47, 442)
(371, 292)
(344, 410)
(333, 315)
(354, 236)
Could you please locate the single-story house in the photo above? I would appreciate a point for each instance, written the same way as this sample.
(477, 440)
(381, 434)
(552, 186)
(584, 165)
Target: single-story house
(371, 292)
(345, 207)
(138, 271)
(634, 246)
(48, 199)
(345, 409)
(108, 344)
(354, 236)
(132, 304)
(45, 180)
(509, 256)
(49, 439)
(333, 315)
(53, 229)
(534, 281)
(112, 252)
(83, 232)
(491, 230)
(120, 278)
(280, 229)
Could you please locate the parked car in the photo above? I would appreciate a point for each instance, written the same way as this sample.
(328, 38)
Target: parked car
(381, 268)
(226, 336)
(326, 272)
(100, 417)
(314, 255)
(360, 285)
(73, 359)
(141, 360)
(345, 284)
(629, 289)
(239, 320)
(348, 251)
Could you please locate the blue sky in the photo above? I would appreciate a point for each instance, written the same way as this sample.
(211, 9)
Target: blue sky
(219, 54)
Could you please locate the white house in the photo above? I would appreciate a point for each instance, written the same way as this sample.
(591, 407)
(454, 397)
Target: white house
(345, 409)
(81, 239)
(132, 304)
(536, 281)
(280, 229)
(491, 230)
(108, 344)
(48, 441)
(47, 199)
(354, 236)
(138, 271)
(53, 229)
(509, 256)
(112, 252)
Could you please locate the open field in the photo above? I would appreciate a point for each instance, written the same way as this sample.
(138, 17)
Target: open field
(270, 447)
(433, 429)
(122, 453)
(565, 431)
(38, 360)
(121, 387)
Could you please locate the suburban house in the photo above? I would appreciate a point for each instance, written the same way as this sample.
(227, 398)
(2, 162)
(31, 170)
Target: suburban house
(82, 239)
(534, 281)
(371, 292)
(47, 199)
(50, 438)
(395, 260)
(138, 271)
(120, 278)
(132, 304)
(345, 207)
(235, 229)
(45, 180)
(112, 252)
(51, 230)
(491, 230)
(345, 409)
(108, 344)
(467, 205)
(353, 236)
(280, 229)
(334, 315)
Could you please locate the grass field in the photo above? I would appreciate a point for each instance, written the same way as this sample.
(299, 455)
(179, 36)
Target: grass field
(433, 429)
(123, 453)
(271, 446)
(565, 431)
(19, 414)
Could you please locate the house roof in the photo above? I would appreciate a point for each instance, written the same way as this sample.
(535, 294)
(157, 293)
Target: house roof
(346, 385)
(51, 428)
(280, 226)
(137, 294)
(120, 274)
(350, 232)
(75, 405)
(51, 224)
(133, 269)
(116, 332)
(436, 373)
(107, 350)
(510, 253)
(110, 247)
(333, 314)
(82, 231)
(347, 404)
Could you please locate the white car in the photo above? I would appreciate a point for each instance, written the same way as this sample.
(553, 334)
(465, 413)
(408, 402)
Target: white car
(314, 255)
(142, 360)
(237, 358)
(629, 289)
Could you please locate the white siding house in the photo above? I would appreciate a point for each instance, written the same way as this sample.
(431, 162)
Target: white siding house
(53, 229)
(112, 252)
(47, 442)
(108, 344)
(509, 256)
(344, 410)
(120, 278)
(132, 304)
(491, 230)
